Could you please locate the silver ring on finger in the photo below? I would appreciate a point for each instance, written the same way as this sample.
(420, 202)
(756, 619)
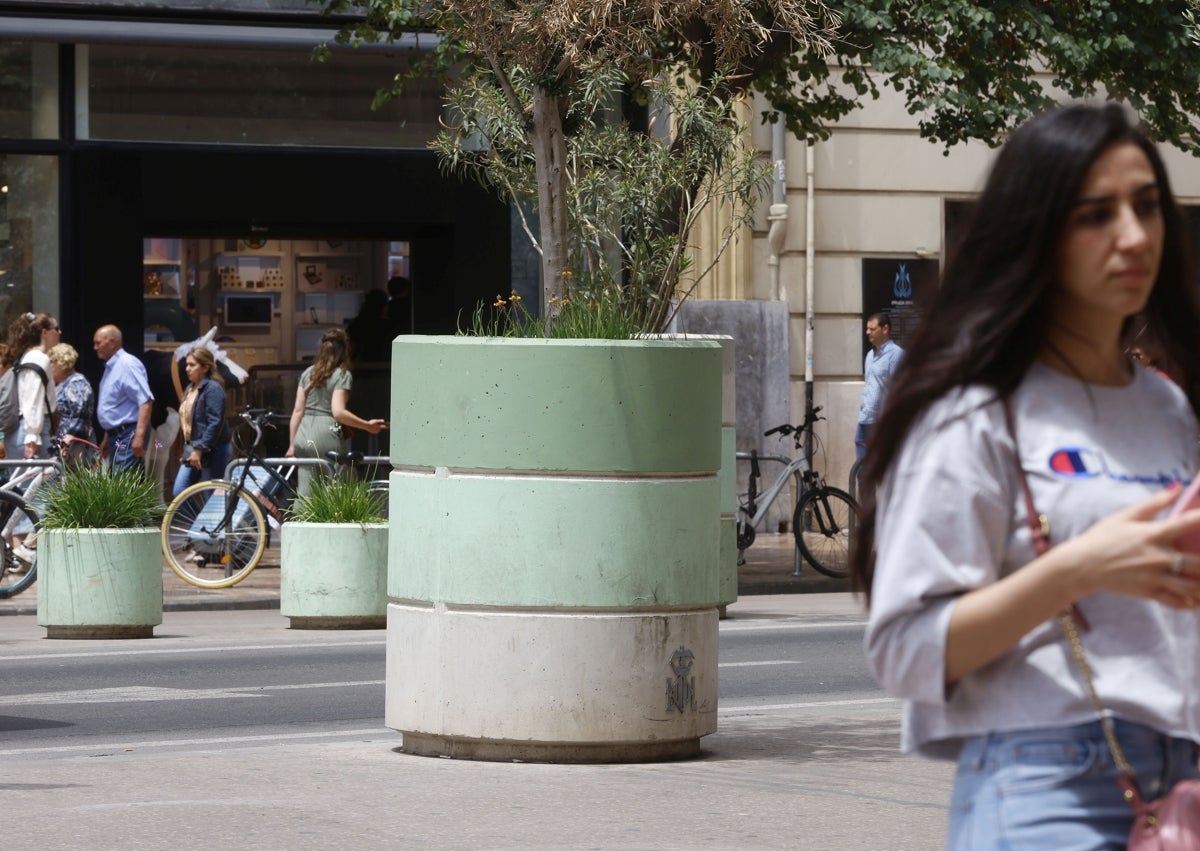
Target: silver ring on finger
(1177, 565)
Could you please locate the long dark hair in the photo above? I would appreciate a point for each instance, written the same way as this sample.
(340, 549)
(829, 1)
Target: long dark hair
(990, 319)
(334, 352)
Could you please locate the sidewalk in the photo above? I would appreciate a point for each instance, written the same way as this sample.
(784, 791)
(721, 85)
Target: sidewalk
(768, 569)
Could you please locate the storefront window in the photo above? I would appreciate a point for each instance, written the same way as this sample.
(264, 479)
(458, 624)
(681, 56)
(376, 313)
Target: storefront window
(28, 91)
(28, 235)
(170, 93)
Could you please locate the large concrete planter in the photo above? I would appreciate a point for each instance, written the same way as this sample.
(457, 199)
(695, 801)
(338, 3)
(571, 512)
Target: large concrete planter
(100, 583)
(554, 562)
(333, 575)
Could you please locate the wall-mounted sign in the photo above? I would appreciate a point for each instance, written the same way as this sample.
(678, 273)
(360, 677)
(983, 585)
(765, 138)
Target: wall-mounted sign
(902, 287)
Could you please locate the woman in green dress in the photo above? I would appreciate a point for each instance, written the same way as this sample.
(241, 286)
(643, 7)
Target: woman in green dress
(320, 410)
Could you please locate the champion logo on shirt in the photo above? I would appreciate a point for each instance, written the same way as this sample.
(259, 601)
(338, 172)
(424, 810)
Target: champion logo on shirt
(1076, 462)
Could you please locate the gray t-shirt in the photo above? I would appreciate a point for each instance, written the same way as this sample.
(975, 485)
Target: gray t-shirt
(951, 518)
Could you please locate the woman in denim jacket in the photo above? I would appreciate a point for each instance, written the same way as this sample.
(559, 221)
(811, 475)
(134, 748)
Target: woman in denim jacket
(206, 445)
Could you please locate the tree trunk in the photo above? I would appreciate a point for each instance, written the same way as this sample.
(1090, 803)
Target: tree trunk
(550, 156)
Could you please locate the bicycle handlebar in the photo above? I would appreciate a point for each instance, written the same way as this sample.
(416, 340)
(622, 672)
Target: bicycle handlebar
(262, 416)
(787, 428)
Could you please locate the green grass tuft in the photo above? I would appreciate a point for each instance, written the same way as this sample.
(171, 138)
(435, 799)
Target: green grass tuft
(98, 498)
(338, 500)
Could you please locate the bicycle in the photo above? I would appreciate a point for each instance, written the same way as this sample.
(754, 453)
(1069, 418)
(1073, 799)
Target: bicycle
(18, 559)
(226, 524)
(823, 518)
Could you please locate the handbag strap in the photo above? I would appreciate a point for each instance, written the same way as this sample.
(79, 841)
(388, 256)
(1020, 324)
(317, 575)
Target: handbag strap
(1071, 622)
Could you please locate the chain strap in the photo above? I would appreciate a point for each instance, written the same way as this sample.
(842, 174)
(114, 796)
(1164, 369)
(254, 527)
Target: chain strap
(1085, 670)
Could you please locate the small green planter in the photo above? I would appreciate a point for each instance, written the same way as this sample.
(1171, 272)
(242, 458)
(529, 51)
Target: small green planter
(99, 583)
(334, 575)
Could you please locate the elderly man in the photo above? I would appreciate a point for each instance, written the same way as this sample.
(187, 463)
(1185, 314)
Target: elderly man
(124, 401)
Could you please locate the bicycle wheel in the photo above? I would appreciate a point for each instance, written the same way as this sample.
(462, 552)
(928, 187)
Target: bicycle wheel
(822, 525)
(18, 565)
(213, 534)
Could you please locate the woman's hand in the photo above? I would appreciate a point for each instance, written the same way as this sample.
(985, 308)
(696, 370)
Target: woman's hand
(1132, 553)
(195, 460)
(291, 453)
(1129, 552)
(376, 425)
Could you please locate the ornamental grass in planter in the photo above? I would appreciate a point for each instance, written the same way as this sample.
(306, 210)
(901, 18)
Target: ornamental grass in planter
(98, 498)
(333, 557)
(100, 561)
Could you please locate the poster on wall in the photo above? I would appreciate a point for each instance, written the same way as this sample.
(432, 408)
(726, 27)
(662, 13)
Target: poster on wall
(901, 286)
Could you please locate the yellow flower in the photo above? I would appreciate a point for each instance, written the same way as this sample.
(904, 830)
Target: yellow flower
(500, 302)
(566, 273)
(514, 298)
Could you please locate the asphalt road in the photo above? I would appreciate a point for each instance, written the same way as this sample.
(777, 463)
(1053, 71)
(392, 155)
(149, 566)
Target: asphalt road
(180, 688)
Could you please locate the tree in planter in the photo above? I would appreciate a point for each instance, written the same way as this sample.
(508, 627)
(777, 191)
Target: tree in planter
(533, 104)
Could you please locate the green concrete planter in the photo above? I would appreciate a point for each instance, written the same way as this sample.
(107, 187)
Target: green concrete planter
(555, 555)
(99, 583)
(333, 575)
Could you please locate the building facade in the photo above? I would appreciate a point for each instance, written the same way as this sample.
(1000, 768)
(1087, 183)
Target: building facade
(177, 165)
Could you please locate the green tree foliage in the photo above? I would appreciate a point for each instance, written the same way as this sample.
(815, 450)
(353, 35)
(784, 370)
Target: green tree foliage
(535, 108)
(973, 70)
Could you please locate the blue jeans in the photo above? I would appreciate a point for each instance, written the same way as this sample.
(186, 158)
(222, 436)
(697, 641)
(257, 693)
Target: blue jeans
(862, 433)
(1055, 788)
(218, 460)
(120, 448)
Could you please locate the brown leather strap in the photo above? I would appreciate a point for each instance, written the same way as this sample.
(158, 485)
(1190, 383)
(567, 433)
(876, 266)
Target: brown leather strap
(1039, 524)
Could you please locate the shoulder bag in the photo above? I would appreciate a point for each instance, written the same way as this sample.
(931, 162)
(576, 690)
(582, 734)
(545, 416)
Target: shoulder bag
(1169, 823)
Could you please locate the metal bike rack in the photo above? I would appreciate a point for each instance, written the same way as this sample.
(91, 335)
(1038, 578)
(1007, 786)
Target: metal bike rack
(13, 464)
(281, 462)
(853, 488)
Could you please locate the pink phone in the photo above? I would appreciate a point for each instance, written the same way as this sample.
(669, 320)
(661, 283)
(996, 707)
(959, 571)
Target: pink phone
(1189, 499)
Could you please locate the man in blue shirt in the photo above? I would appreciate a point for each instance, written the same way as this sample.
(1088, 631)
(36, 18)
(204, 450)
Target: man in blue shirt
(881, 362)
(124, 402)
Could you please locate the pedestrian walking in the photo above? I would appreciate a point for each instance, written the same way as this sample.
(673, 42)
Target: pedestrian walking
(881, 361)
(320, 411)
(207, 447)
(124, 402)
(1016, 398)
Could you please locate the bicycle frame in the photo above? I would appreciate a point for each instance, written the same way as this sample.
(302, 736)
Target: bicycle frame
(26, 484)
(794, 467)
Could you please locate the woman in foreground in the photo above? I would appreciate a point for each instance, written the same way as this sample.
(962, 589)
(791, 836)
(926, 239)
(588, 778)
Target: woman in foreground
(1076, 232)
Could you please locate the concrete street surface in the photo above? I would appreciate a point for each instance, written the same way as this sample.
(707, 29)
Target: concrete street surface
(822, 777)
